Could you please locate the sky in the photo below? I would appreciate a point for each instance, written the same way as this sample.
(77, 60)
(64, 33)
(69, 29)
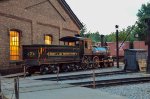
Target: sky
(103, 15)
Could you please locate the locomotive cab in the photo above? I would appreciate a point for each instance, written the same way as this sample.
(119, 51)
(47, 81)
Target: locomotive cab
(87, 46)
(84, 44)
(91, 56)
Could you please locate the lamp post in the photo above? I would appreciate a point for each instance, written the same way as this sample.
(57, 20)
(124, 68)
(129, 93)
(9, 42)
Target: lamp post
(117, 49)
(148, 43)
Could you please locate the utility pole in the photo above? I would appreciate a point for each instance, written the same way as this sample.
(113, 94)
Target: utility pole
(0, 87)
(117, 49)
(148, 43)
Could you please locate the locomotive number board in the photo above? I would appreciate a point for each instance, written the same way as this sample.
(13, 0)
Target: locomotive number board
(61, 54)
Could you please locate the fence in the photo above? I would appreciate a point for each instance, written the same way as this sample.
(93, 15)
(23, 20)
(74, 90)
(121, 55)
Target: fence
(9, 86)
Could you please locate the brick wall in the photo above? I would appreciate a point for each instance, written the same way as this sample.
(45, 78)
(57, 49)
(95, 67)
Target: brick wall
(33, 18)
(112, 46)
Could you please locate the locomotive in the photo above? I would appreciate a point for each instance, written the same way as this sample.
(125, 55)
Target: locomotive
(51, 58)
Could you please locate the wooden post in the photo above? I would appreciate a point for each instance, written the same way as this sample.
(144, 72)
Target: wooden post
(94, 79)
(57, 73)
(0, 87)
(16, 86)
(24, 71)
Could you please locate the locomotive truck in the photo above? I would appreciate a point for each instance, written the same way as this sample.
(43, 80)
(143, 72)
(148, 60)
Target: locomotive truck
(51, 58)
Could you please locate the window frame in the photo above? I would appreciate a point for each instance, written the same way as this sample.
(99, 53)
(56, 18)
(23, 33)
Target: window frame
(49, 41)
(14, 45)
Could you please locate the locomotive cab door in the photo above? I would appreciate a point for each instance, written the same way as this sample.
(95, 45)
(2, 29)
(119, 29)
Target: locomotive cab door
(87, 46)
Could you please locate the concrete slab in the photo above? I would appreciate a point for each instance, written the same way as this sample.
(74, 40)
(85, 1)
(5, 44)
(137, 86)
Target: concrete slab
(33, 89)
(69, 93)
(38, 89)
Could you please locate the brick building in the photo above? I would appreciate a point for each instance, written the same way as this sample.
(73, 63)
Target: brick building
(27, 22)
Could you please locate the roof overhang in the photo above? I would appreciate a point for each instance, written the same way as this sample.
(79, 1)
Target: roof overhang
(71, 13)
(70, 39)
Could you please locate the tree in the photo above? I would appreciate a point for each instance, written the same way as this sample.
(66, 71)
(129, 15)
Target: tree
(143, 13)
(94, 36)
(123, 35)
(83, 30)
(111, 37)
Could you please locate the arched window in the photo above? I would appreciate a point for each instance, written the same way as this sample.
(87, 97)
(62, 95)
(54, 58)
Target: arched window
(48, 39)
(14, 45)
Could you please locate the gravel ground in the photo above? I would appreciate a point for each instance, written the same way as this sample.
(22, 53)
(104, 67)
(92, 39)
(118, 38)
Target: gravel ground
(133, 91)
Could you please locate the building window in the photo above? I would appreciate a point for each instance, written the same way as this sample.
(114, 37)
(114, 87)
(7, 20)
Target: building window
(14, 45)
(48, 39)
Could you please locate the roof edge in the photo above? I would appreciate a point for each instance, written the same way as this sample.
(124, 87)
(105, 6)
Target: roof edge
(71, 13)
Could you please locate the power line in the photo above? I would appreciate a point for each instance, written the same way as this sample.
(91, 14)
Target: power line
(127, 35)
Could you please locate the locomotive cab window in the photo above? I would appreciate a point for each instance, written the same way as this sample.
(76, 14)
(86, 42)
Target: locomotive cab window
(48, 39)
(86, 44)
(14, 45)
(71, 43)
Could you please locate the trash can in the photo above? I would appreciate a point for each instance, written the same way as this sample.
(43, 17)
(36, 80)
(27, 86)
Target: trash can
(135, 59)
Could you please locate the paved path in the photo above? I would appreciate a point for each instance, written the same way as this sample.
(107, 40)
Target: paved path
(38, 89)
(33, 89)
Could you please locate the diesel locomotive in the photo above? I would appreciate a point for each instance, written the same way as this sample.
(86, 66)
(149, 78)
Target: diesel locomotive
(51, 58)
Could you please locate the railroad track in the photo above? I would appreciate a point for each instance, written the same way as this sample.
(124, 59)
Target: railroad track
(83, 76)
(113, 82)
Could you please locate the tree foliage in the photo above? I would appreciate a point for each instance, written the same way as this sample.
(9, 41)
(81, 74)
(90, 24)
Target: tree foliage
(141, 28)
(124, 34)
(95, 36)
(127, 34)
(83, 30)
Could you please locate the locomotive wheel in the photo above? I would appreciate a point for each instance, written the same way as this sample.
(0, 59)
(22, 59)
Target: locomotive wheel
(85, 63)
(106, 64)
(30, 72)
(96, 62)
(77, 67)
(44, 69)
(73, 67)
(65, 67)
(111, 64)
(53, 69)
